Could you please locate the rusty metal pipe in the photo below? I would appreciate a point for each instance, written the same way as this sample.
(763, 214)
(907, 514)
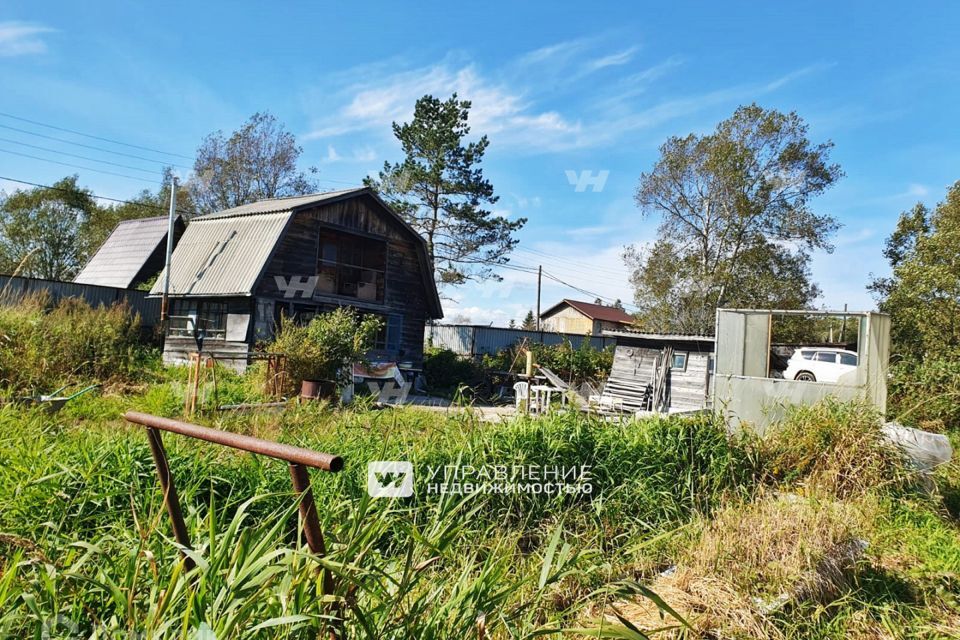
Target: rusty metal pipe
(170, 497)
(286, 452)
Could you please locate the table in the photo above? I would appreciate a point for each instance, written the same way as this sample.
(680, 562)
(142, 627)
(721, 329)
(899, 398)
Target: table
(541, 395)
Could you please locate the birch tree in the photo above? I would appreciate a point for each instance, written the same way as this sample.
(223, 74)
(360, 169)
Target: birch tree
(736, 223)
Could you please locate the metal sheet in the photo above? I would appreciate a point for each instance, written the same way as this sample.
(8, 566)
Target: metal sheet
(757, 402)
(223, 256)
(118, 261)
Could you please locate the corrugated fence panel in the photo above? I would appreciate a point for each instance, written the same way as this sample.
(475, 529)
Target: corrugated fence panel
(472, 340)
(148, 308)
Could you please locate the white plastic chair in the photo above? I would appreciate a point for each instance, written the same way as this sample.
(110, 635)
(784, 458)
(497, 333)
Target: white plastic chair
(521, 394)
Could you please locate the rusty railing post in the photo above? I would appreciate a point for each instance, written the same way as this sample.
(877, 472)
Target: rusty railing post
(314, 534)
(299, 460)
(170, 497)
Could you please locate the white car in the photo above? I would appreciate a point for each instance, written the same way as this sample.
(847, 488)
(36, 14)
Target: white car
(819, 364)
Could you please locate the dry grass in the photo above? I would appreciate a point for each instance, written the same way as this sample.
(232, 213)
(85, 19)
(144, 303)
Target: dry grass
(753, 559)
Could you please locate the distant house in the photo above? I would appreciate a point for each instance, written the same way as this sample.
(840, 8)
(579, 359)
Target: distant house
(133, 253)
(236, 272)
(573, 316)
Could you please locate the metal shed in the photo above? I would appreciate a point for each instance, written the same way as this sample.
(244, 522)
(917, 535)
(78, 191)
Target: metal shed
(746, 396)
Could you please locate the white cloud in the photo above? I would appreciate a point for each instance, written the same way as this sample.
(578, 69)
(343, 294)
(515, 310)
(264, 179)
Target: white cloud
(363, 154)
(612, 60)
(22, 38)
(496, 108)
(513, 103)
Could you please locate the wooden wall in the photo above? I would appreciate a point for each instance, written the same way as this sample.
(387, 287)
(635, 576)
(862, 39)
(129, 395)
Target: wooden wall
(633, 370)
(231, 350)
(404, 290)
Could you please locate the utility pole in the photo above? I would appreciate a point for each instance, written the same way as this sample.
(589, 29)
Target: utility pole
(539, 281)
(165, 303)
(843, 327)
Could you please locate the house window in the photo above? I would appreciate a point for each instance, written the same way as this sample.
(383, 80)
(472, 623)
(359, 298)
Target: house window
(188, 318)
(391, 331)
(679, 361)
(351, 266)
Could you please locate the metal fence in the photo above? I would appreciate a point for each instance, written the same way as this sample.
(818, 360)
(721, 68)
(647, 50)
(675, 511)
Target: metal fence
(476, 340)
(95, 295)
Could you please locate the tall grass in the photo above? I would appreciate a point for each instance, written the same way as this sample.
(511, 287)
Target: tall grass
(43, 346)
(89, 541)
(85, 544)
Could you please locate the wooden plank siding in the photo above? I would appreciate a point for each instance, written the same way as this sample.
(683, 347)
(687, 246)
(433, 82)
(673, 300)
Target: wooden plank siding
(688, 389)
(634, 366)
(405, 294)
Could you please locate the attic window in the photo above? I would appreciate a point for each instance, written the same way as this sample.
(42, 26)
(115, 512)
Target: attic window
(351, 266)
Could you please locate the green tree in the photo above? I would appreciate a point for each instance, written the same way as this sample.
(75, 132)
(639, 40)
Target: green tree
(257, 161)
(439, 188)
(736, 227)
(529, 322)
(922, 294)
(40, 229)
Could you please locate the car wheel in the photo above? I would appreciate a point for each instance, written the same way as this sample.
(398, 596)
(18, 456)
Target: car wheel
(806, 376)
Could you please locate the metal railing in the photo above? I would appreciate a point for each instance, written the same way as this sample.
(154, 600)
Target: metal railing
(298, 458)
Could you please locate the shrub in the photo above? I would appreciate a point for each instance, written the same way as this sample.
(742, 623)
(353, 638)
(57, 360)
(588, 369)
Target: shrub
(325, 348)
(446, 371)
(575, 365)
(926, 394)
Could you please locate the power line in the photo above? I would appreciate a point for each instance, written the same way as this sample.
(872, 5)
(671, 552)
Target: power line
(94, 148)
(96, 197)
(568, 261)
(93, 137)
(76, 166)
(74, 155)
(585, 291)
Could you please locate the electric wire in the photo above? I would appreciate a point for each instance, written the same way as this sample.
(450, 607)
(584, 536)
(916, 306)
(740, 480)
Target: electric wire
(93, 137)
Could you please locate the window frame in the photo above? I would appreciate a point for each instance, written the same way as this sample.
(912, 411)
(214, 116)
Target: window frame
(360, 247)
(197, 316)
(686, 358)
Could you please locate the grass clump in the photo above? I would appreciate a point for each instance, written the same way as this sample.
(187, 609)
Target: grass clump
(43, 346)
(752, 559)
(833, 448)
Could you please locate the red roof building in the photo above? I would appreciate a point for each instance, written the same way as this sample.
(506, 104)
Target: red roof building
(574, 316)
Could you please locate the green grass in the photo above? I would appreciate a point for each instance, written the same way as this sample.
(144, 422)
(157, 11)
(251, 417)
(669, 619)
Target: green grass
(85, 543)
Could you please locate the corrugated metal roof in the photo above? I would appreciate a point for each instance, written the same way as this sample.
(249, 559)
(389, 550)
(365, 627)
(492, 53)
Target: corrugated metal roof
(275, 205)
(677, 337)
(118, 261)
(223, 256)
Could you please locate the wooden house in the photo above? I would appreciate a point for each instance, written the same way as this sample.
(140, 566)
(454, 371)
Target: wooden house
(584, 318)
(235, 272)
(683, 362)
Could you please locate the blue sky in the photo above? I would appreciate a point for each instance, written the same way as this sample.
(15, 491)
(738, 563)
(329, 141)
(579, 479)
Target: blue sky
(557, 87)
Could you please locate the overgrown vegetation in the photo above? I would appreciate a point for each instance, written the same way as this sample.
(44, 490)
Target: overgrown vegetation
(764, 535)
(325, 348)
(43, 346)
(447, 371)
